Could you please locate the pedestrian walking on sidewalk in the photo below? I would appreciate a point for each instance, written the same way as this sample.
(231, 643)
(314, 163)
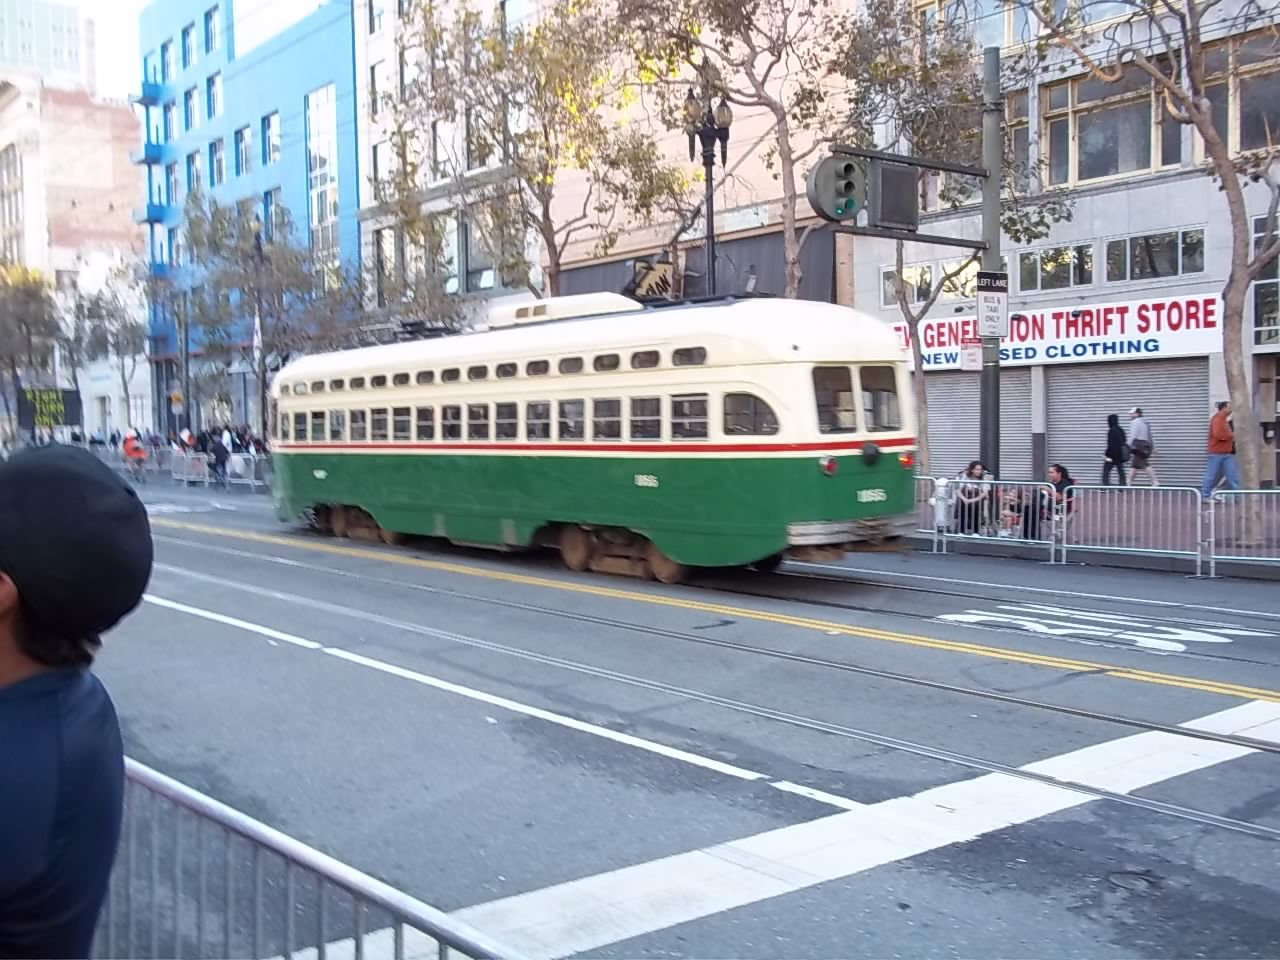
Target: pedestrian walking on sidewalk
(1142, 447)
(1221, 459)
(1117, 452)
(75, 558)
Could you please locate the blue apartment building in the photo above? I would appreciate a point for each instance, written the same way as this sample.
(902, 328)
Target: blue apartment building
(247, 99)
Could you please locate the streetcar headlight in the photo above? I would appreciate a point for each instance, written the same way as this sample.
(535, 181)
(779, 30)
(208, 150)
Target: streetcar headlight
(828, 466)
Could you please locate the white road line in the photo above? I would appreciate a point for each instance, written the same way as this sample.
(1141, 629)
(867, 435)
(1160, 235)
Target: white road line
(622, 904)
(1050, 591)
(514, 706)
(236, 622)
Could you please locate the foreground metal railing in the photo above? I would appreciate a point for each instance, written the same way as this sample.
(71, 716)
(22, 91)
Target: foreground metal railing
(1244, 527)
(1007, 511)
(1147, 521)
(195, 878)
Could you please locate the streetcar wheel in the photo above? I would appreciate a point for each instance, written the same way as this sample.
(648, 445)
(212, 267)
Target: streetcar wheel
(321, 520)
(768, 564)
(390, 537)
(338, 521)
(664, 569)
(576, 547)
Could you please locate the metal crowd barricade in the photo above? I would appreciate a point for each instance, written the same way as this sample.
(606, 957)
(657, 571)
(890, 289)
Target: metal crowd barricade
(190, 468)
(195, 878)
(926, 494)
(1147, 521)
(1244, 527)
(1005, 511)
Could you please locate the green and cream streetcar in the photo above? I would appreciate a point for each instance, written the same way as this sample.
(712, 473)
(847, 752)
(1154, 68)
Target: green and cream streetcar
(635, 438)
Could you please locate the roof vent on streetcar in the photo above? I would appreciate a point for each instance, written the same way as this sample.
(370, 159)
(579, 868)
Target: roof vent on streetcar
(560, 308)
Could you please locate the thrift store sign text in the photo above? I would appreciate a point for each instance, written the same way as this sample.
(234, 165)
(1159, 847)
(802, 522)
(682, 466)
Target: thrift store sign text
(1170, 327)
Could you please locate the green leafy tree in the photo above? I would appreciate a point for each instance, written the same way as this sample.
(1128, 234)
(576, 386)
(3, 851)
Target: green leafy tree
(30, 325)
(922, 81)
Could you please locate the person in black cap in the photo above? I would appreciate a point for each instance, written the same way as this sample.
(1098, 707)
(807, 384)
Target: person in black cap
(75, 558)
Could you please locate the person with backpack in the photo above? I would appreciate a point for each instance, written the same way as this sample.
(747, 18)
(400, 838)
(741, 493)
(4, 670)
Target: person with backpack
(1117, 452)
(1142, 446)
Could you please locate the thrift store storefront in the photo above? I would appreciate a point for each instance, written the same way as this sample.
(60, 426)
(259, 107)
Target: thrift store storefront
(1064, 370)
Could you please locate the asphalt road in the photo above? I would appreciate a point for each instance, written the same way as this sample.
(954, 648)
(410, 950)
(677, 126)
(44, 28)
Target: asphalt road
(899, 756)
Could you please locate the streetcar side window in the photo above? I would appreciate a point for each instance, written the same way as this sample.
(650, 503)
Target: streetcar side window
(506, 421)
(337, 425)
(425, 377)
(400, 380)
(745, 414)
(689, 417)
(880, 399)
(359, 426)
(317, 386)
(378, 424)
(646, 418)
(284, 426)
(300, 426)
(478, 373)
(606, 419)
(570, 365)
(426, 423)
(300, 389)
(644, 359)
(284, 389)
(451, 422)
(537, 420)
(336, 385)
(689, 357)
(401, 423)
(378, 382)
(357, 383)
(606, 362)
(507, 370)
(317, 426)
(833, 394)
(477, 421)
(537, 368)
(452, 375)
(571, 419)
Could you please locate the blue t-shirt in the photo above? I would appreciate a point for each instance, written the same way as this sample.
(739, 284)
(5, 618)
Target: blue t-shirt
(61, 797)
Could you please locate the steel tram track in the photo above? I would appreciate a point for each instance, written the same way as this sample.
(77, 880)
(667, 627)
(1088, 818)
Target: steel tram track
(915, 748)
(774, 653)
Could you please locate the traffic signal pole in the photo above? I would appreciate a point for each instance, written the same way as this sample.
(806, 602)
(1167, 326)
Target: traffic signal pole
(992, 159)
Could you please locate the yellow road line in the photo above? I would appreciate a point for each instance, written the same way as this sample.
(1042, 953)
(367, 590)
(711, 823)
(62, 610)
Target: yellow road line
(743, 613)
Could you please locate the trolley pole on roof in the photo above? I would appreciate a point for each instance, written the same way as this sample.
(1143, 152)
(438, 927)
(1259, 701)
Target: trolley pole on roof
(993, 283)
(886, 185)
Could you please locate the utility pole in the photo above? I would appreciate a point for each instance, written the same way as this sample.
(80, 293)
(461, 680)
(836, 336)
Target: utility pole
(992, 157)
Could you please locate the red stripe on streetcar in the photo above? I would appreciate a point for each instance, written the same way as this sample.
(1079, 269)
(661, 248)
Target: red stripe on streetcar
(692, 446)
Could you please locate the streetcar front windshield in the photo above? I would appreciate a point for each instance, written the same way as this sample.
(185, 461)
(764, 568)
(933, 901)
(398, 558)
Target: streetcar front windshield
(833, 392)
(880, 410)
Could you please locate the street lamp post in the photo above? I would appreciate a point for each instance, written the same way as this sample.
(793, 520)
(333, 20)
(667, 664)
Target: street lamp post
(709, 125)
(259, 358)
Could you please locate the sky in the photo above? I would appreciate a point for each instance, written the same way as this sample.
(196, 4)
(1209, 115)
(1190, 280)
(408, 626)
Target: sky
(119, 62)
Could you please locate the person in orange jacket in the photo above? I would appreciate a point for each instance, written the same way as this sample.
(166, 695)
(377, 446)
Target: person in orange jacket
(1221, 452)
(135, 454)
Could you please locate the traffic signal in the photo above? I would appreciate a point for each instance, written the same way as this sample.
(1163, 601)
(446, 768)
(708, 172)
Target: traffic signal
(837, 188)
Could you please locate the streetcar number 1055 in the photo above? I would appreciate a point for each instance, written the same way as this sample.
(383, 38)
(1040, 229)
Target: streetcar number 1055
(646, 480)
(872, 496)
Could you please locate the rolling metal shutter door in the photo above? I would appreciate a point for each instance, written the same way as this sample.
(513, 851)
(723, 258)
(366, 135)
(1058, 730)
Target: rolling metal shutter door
(1174, 395)
(954, 422)
(1015, 424)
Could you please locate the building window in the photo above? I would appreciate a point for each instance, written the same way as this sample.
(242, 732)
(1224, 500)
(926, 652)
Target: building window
(213, 95)
(1018, 136)
(919, 283)
(272, 212)
(378, 169)
(171, 183)
(1056, 268)
(270, 139)
(377, 86)
(217, 164)
(479, 149)
(1154, 255)
(322, 159)
(193, 172)
(175, 247)
(166, 61)
(383, 262)
(1093, 130)
(479, 260)
(212, 30)
(375, 15)
(1266, 292)
(190, 109)
(244, 146)
(437, 156)
(170, 122)
(188, 45)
